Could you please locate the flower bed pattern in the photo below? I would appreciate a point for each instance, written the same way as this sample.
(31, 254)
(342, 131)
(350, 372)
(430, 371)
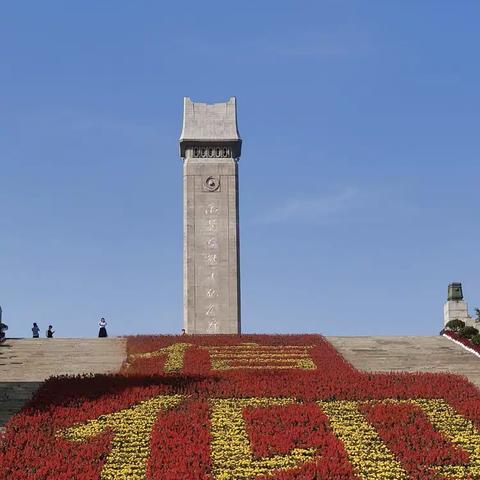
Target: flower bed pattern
(249, 407)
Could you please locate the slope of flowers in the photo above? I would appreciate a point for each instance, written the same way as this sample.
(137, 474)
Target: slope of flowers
(245, 407)
(463, 340)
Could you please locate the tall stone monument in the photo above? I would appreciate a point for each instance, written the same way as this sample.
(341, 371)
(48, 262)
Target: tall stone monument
(210, 147)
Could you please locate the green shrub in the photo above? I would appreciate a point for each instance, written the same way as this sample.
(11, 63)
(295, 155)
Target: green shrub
(468, 332)
(455, 325)
(476, 339)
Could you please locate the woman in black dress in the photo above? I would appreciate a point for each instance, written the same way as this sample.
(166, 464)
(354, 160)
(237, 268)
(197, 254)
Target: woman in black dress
(102, 333)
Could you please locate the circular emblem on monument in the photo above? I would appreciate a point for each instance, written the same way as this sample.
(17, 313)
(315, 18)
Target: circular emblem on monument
(211, 184)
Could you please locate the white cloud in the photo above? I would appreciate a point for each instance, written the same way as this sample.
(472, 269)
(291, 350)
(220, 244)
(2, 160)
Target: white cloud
(311, 209)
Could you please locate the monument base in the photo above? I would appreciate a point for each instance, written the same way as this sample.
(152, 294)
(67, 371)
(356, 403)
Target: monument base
(457, 309)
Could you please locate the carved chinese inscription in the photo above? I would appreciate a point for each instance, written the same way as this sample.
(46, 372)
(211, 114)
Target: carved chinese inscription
(212, 259)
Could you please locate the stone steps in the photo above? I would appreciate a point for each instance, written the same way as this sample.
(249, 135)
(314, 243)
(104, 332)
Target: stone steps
(13, 395)
(408, 354)
(26, 363)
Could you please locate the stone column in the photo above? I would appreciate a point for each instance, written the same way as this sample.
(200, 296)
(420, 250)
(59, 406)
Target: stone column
(210, 147)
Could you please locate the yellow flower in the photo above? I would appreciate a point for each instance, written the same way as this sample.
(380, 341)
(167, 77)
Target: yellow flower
(131, 442)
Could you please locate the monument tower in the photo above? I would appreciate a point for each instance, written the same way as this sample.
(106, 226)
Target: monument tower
(210, 147)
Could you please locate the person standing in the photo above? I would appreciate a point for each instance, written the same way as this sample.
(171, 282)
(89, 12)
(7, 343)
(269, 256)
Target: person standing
(102, 333)
(50, 332)
(35, 330)
(3, 328)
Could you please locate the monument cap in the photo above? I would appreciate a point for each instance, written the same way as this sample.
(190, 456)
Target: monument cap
(208, 124)
(455, 291)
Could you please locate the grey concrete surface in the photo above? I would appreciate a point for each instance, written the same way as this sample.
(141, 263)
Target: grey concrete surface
(203, 121)
(409, 354)
(26, 363)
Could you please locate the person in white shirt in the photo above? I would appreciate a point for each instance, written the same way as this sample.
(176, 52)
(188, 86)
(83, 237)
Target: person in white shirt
(102, 333)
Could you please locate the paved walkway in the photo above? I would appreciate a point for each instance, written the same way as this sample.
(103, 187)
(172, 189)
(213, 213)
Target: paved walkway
(408, 354)
(26, 363)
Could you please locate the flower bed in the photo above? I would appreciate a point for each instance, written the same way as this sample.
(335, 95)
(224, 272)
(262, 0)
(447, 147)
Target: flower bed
(464, 341)
(249, 407)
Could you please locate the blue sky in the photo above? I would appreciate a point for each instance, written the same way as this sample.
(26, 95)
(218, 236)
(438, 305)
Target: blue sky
(359, 176)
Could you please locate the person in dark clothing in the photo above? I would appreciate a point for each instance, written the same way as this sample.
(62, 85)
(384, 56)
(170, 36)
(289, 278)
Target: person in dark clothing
(50, 332)
(102, 333)
(3, 328)
(35, 330)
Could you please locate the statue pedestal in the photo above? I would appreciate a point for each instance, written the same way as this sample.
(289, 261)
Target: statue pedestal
(456, 309)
